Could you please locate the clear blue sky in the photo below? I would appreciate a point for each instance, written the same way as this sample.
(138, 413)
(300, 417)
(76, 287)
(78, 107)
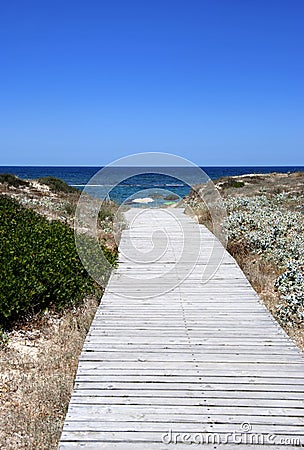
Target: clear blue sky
(220, 82)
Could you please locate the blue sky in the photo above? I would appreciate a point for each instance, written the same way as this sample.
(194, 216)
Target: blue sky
(84, 82)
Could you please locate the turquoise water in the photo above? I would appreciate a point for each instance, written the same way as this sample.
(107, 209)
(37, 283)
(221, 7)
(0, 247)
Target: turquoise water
(151, 183)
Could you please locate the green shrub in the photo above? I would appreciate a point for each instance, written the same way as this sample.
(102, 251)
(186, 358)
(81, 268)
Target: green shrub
(58, 186)
(171, 197)
(107, 211)
(3, 338)
(12, 180)
(40, 267)
(111, 255)
(233, 183)
(69, 208)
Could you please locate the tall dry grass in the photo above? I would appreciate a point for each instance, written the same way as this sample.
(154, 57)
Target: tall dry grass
(37, 373)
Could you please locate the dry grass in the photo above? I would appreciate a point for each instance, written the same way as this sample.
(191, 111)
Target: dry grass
(260, 273)
(38, 366)
(255, 184)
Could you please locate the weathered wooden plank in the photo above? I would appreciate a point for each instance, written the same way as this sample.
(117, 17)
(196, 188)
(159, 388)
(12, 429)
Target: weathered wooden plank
(215, 385)
(102, 445)
(266, 391)
(183, 427)
(163, 400)
(111, 372)
(207, 380)
(195, 419)
(98, 411)
(188, 358)
(151, 436)
(258, 349)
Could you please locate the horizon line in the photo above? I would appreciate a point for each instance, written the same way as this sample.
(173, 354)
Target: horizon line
(109, 165)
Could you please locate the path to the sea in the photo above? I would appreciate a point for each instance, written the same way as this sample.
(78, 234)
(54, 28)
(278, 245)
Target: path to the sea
(204, 363)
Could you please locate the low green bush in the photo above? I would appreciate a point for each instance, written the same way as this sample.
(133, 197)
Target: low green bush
(70, 208)
(111, 255)
(233, 183)
(107, 211)
(58, 186)
(12, 180)
(40, 267)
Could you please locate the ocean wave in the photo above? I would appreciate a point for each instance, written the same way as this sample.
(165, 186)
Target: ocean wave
(150, 185)
(91, 185)
(142, 185)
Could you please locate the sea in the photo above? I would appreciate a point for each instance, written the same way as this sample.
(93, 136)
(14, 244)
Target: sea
(141, 185)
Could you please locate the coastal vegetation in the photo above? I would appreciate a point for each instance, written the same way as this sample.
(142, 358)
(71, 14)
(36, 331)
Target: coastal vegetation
(56, 185)
(47, 302)
(40, 267)
(8, 179)
(265, 225)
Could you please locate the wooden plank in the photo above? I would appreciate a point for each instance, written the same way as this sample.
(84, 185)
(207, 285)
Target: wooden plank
(263, 391)
(200, 349)
(163, 400)
(102, 445)
(136, 412)
(200, 419)
(145, 436)
(182, 427)
(188, 358)
(253, 372)
(207, 380)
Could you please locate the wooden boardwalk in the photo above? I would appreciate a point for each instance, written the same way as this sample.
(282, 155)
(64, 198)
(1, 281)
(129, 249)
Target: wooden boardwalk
(194, 364)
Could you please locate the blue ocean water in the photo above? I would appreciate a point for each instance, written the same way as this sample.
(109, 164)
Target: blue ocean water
(122, 185)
